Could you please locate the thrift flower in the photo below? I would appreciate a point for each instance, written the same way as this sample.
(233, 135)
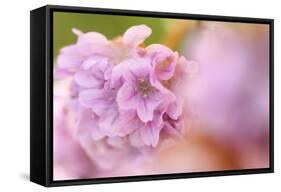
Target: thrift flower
(124, 96)
(139, 92)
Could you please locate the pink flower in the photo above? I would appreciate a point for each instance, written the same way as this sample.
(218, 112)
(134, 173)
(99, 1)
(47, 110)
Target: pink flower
(94, 73)
(116, 78)
(102, 103)
(96, 46)
(147, 133)
(121, 102)
(141, 133)
(90, 44)
(164, 60)
(139, 92)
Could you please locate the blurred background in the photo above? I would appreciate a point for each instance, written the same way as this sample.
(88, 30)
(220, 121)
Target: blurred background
(227, 100)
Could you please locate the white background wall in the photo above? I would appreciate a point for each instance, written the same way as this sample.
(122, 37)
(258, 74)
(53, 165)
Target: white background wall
(14, 94)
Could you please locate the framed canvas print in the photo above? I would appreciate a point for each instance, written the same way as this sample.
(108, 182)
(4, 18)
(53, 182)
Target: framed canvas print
(123, 95)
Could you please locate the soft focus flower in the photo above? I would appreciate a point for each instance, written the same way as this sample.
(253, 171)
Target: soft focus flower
(124, 97)
(70, 160)
(139, 92)
(231, 93)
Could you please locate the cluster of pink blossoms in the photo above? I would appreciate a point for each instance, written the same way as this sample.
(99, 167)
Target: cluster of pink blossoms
(122, 89)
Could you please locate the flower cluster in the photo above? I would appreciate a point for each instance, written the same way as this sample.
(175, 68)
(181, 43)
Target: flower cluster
(121, 88)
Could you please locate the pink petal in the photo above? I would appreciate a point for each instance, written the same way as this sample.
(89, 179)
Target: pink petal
(92, 43)
(125, 71)
(98, 71)
(140, 67)
(145, 109)
(94, 60)
(128, 123)
(164, 60)
(150, 132)
(99, 100)
(126, 97)
(61, 73)
(147, 105)
(130, 70)
(109, 122)
(165, 95)
(87, 124)
(87, 80)
(136, 35)
(116, 78)
(69, 57)
(150, 135)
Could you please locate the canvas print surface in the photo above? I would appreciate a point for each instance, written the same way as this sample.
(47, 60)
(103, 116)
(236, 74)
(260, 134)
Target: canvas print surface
(145, 96)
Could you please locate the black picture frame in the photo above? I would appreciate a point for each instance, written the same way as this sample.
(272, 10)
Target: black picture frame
(41, 93)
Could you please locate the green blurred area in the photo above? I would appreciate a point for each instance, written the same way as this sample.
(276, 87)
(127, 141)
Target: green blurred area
(109, 25)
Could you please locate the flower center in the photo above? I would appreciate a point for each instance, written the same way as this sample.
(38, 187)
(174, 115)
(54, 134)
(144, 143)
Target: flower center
(144, 87)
